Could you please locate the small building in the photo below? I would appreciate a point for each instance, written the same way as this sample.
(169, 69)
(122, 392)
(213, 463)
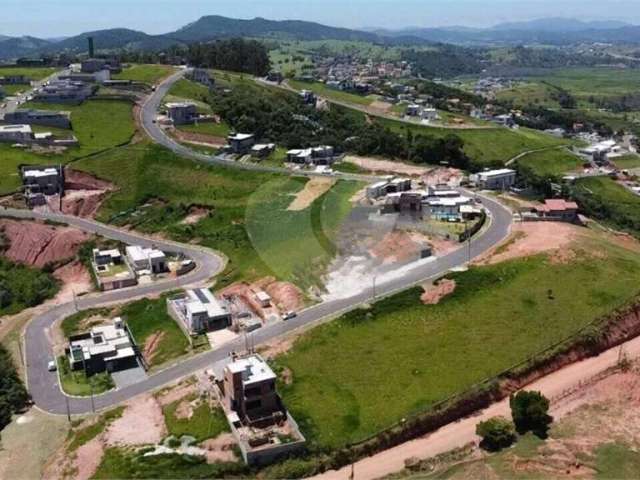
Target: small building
(64, 91)
(301, 156)
(429, 114)
(182, 113)
(47, 180)
(501, 179)
(263, 298)
(199, 311)
(14, 80)
(146, 259)
(413, 110)
(241, 143)
(377, 190)
(308, 97)
(100, 76)
(45, 118)
(262, 150)
(107, 348)
(107, 257)
(16, 134)
(93, 65)
(447, 208)
(111, 271)
(558, 210)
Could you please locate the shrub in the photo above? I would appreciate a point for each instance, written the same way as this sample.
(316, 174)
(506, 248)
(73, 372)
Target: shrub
(530, 413)
(497, 433)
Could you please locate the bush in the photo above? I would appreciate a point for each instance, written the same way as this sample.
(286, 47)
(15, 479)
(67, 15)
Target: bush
(530, 413)
(497, 433)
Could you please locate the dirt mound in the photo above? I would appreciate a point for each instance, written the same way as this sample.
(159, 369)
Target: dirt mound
(220, 449)
(399, 246)
(443, 175)
(75, 279)
(312, 190)
(434, 293)
(195, 215)
(386, 166)
(82, 203)
(199, 138)
(77, 180)
(38, 244)
(286, 295)
(151, 346)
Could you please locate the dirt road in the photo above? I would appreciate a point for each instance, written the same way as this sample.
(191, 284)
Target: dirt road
(462, 432)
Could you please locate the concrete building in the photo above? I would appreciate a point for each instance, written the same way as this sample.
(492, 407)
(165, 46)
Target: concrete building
(241, 143)
(386, 187)
(45, 118)
(14, 80)
(182, 113)
(308, 97)
(106, 348)
(107, 257)
(48, 180)
(199, 311)
(146, 259)
(501, 179)
(101, 76)
(429, 114)
(111, 271)
(64, 91)
(301, 156)
(447, 208)
(250, 389)
(262, 150)
(263, 298)
(16, 134)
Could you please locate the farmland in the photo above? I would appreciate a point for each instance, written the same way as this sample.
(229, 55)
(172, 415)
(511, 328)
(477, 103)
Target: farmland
(248, 219)
(149, 74)
(98, 125)
(399, 357)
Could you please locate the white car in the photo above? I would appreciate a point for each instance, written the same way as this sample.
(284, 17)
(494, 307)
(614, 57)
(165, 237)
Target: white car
(289, 315)
(51, 366)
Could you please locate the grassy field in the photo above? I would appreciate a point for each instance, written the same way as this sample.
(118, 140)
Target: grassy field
(149, 318)
(149, 74)
(32, 73)
(551, 163)
(486, 146)
(98, 125)
(606, 200)
(190, 90)
(206, 422)
(401, 356)
(628, 161)
(156, 189)
(526, 93)
(331, 93)
(208, 128)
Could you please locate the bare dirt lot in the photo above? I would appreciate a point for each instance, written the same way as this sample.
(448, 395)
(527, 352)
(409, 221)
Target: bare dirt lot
(141, 423)
(531, 238)
(378, 165)
(84, 193)
(199, 138)
(433, 293)
(38, 244)
(312, 190)
(400, 246)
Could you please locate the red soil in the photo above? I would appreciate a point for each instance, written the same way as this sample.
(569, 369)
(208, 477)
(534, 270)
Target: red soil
(38, 244)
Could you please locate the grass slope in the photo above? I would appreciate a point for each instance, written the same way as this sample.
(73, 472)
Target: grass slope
(550, 163)
(400, 356)
(149, 74)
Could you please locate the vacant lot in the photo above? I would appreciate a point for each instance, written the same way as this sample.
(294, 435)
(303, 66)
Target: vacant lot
(98, 124)
(606, 200)
(249, 221)
(32, 73)
(400, 356)
(190, 90)
(156, 333)
(331, 93)
(550, 163)
(149, 74)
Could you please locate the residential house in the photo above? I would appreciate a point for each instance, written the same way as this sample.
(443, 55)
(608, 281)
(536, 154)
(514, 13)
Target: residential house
(241, 143)
(45, 118)
(146, 259)
(182, 113)
(64, 91)
(14, 80)
(111, 271)
(262, 150)
(107, 348)
(16, 134)
(199, 311)
(558, 210)
(501, 179)
(202, 76)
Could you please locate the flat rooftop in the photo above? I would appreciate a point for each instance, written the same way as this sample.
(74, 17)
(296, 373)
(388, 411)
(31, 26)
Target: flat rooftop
(253, 368)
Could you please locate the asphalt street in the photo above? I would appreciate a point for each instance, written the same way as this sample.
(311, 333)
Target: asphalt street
(43, 385)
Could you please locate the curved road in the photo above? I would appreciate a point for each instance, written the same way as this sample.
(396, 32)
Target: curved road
(43, 385)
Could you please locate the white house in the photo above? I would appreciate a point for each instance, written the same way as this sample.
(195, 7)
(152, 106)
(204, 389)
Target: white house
(199, 311)
(501, 179)
(149, 259)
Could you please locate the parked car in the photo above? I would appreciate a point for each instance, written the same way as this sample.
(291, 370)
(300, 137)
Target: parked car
(289, 315)
(51, 366)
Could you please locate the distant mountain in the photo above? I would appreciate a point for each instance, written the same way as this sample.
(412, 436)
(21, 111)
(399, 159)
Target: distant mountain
(211, 27)
(562, 25)
(13, 47)
(113, 39)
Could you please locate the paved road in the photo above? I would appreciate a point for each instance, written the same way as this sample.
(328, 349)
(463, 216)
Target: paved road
(149, 112)
(43, 384)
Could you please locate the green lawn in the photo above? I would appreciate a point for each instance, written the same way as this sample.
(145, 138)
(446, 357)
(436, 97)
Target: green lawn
(322, 90)
(206, 422)
(627, 161)
(371, 368)
(486, 146)
(606, 200)
(208, 128)
(148, 318)
(77, 383)
(617, 461)
(551, 163)
(98, 125)
(33, 73)
(529, 93)
(190, 90)
(149, 74)
(249, 223)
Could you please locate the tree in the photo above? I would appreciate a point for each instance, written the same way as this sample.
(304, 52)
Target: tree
(497, 433)
(529, 411)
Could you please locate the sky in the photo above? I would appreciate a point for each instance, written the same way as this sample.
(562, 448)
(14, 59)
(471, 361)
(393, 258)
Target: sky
(53, 18)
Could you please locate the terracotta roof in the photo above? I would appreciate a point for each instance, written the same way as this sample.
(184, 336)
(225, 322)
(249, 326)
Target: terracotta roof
(554, 205)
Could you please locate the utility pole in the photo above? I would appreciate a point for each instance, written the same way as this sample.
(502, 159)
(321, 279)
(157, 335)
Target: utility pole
(93, 406)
